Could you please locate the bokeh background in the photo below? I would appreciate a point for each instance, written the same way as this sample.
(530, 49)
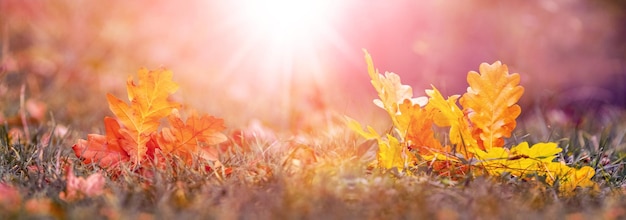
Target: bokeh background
(285, 63)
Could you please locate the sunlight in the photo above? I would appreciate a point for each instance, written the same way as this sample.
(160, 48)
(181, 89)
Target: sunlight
(286, 22)
(282, 42)
(290, 33)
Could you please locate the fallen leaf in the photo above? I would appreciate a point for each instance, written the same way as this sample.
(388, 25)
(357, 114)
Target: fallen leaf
(448, 114)
(102, 150)
(416, 126)
(390, 89)
(392, 154)
(149, 102)
(187, 138)
(490, 103)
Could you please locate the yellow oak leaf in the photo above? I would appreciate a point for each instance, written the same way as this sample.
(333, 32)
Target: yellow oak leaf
(569, 178)
(390, 89)
(523, 161)
(545, 152)
(149, 102)
(392, 154)
(448, 114)
(186, 139)
(490, 103)
(495, 161)
(581, 178)
(520, 161)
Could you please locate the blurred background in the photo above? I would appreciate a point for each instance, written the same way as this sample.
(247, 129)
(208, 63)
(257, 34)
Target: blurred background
(289, 64)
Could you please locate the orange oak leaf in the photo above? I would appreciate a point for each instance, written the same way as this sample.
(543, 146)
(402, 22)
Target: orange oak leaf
(103, 150)
(189, 138)
(490, 103)
(149, 102)
(416, 126)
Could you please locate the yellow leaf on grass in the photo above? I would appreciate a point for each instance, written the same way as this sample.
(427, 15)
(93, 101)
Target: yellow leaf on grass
(149, 102)
(392, 154)
(490, 103)
(447, 113)
(545, 152)
(520, 161)
(527, 160)
(495, 161)
(569, 178)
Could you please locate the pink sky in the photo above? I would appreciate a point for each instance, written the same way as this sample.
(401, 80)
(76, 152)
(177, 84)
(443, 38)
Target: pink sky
(259, 58)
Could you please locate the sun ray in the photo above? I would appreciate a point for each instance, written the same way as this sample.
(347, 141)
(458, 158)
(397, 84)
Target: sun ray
(279, 44)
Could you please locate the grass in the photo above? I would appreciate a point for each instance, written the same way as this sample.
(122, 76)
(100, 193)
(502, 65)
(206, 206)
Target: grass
(270, 181)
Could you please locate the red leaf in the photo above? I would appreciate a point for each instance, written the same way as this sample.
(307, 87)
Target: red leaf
(103, 150)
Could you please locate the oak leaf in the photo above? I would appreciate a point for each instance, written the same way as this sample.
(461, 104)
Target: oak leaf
(490, 103)
(448, 114)
(545, 152)
(390, 89)
(392, 153)
(103, 150)
(149, 102)
(495, 161)
(190, 137)
(520, 160)
(525, 160)
(416, 127)
(568, 178)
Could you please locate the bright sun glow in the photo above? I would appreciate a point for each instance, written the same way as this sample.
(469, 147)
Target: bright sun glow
(283, 41)
(287, 21)
(288, 31)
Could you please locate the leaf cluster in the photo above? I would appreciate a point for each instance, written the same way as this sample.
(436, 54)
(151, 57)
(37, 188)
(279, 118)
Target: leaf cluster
(133, 136)
(478, 123)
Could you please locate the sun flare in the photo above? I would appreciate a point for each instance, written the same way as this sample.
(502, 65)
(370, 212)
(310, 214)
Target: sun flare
(287, 22)
(281, 43)
(290, 34)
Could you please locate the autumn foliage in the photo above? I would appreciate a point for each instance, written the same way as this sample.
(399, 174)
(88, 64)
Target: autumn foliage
(477, 122)
(490, 104)
(133, 135)
(477, 130)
